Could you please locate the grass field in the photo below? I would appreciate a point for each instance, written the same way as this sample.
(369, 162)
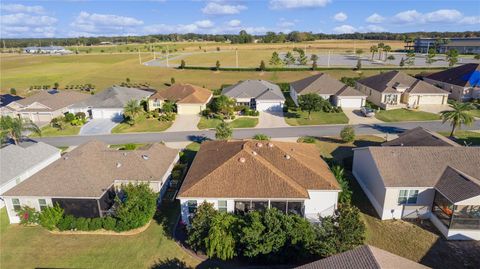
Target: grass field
(296, 118)
(402, 114)
(465, 137)
(51, 131)
(242, 122)
(142, 125)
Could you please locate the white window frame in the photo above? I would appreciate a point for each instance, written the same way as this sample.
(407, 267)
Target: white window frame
(42, 206)
(222, 208)
(408, 194)
(14, 204)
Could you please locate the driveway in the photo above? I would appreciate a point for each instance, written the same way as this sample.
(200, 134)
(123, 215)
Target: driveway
(184, 123)
(98, 126)
(270, 119)
(435, 109)
(355, 117)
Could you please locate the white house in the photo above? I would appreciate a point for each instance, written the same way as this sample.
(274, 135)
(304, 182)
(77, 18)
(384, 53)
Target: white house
(440, 183)
(240, 176)
(328, 88)
(259, 95)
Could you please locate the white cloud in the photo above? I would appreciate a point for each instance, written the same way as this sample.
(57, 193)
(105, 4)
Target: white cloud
(104, 24)
(470, 20)
(27, 25)
(340, 16)
(19, 8)
(22, 19)
(204, 24)
(375, 18)
(222, 9)
(443, 15)
(408, 16)
(437, 16)
(287, 4)
(234, 23)
(344, 29)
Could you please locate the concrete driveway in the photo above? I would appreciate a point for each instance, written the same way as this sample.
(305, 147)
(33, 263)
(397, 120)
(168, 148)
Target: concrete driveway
(355, 117)
(435, 109)
(270, 119)
(98, 126)
(184, 123)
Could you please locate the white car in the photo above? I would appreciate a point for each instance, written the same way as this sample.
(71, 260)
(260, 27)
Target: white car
(367, 112)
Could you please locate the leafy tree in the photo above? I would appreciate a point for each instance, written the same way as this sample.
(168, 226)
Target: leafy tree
(69, 117)
(310, 102)
(132, 109)
(387, 49)
(458, 115)
(347, 134)
(359, 51)
(182, 64)
(452, 57)
(263, 137)
(172, 81)
(168, 107)
(217, 65)
(138, 207)
(289, 59)
(220, 241)
(127, 80)
(359, 64)
(59, 123)
(477, 57)
(349, 81)
(223, 104)
(380, 47)
(391, 57)
(56, 85)
(13, 91)
(275, 59)
(345, 196)
(410, 60)
(50, 217)
(314, 59)
(201, 225)
(262, 66)
(223, 131)
(373, 50)
(402, 62)
(14, 127)
(431, 55)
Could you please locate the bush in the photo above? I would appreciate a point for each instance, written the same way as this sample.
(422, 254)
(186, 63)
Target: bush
(69, 117)
(82, 224)
(95, 224)
(80, 115)
(50, 217)
(262, 137)
(67, 223)
(347, 134)
(129, 146)
(27, 215)
(306, 139)
(167, 117)
(109, 223)
(138, 207)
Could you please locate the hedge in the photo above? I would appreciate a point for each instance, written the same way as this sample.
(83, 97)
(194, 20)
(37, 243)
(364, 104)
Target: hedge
(272, 69)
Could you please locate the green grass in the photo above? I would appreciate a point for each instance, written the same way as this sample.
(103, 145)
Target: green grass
(122, 146)
(51, 131)
(241, 122)
(142, 125)
(296, 118)
(205, 123)
(475, 113)
(403, 114)
(465, 137)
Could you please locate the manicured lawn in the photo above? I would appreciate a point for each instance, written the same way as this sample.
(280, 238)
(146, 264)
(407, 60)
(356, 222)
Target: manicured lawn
(242, 122)
(296, 118)
(403, 114)
(142, 125)
(475, 113)
(468, 137)
(51, 131)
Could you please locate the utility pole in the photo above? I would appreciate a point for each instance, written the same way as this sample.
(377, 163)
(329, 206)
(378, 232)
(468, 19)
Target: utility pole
(236, 57)
(354, 47)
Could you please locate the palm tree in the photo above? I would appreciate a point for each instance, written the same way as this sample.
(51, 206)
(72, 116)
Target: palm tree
(373, 49)
(380, 48)
(132, 109)
(14, 127)
(387, 49)
(458, 115)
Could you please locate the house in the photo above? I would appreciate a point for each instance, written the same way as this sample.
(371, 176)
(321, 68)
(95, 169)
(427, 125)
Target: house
(468, 45)
(328, 88)
(462, 82)
(83, 181)
(18, 162)
(189, 99)
(44, 105)
(239, 176)
(259, 95)
(364, 257)
(420, 136)
(396, 89)
(433, 182)
(109, 103)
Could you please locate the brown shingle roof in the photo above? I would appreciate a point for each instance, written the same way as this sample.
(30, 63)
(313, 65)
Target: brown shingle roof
(54, 101)
(466, 75)
(421, 137)
(184, 94)
(386, 82)
(323, 84)
(254, 169)
(363, 257)
(92, 167)
(457, 186)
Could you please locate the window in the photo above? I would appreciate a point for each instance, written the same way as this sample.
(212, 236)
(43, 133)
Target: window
(16, 204)
(282, 206)
(192, 206)
(242, 207)
(222, 206)
(42, 203)
(407, 197)
(259, 205)
(295, 208)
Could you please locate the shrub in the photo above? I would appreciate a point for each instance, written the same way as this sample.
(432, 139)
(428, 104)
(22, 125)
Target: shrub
(95, 224)
(347, 134)
(27, 215)
(80, 115)
(82, 224)
(129, 146)
(262, 137)
(306, 139)
(200, 227)
(109, 223)
(167, 117)
(67, 223)
(13, 91)
(69, 117)
(50, 217)
(138, 207)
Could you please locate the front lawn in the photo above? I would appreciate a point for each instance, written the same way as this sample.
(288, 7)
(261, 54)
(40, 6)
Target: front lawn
(465, 137)
(296, 118)
(142, 124)
(475, 113)
(241, 122)
(403, 114)
(51, 131)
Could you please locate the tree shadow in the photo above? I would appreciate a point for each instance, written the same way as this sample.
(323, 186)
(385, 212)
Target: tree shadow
(168, 263)
(452, 254)
(383, 128)
(167, 216)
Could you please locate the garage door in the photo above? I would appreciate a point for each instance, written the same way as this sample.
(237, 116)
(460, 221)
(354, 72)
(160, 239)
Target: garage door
(189, 109)
(43, 117)
(270, 106)
(107, 114)
(432, 99)
(350, 102)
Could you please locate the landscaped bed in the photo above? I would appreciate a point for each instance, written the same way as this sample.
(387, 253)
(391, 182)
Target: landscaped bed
(241, 122)
(142, 124)
(52, 131)
(296, 118)
(403, 114)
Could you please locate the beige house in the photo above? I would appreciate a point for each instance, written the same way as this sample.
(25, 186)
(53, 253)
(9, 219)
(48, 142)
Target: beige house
(43, 106)
(396, 89)
(189, 99)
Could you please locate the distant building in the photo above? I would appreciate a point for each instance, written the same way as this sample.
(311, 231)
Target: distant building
(47, 50)
(463, 45)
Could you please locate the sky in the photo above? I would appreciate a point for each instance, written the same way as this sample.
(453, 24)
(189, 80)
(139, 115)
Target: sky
(73, 18)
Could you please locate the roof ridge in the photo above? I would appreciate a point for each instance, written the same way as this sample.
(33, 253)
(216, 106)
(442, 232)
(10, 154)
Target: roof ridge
(369, 249)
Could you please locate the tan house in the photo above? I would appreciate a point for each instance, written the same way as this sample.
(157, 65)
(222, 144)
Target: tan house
(396, 89)
(190, 99)
(44, 106)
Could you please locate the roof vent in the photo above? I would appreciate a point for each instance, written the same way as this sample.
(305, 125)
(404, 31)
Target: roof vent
(118, 165)
(254, 153)
(259, 145)
(145, 157)
(241, 159)
(124, 154)
(270, 145)
(65, 158)
(287, 157)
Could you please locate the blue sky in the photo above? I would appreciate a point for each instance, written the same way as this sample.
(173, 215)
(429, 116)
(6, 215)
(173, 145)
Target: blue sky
(71, 18)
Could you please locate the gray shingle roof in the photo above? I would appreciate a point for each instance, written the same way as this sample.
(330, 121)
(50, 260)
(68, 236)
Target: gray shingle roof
(54, 100)
(323, 84)
(15, 160)
(113, 97)
(421, 137)
(456, 186)
(258, 89)
(467, 75)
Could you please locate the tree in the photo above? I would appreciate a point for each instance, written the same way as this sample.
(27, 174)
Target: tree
(138, 207)
(310, 102)
(132, 109)
(477, 57)
(359, 51)
(262, 137)
(345, 196)
(50, 216)
(349, 81)
(380, 48)
(387, 49)
(275, 59)
(223, 105)
(402, 62)
(410, 60)
(201, 224)
(172, 81)
(347, 134)
(127, 80)
(217, 65)
(373, 50)
(262, 66)
(359, 64)
(289, 59)
(220, 241)
(452, 57)
(13, 91)
(223, 131)
(14, 127)
(458, 115)
(314, 59)
(56, 85)
(431, 56)
(168, 107)
(182, 64)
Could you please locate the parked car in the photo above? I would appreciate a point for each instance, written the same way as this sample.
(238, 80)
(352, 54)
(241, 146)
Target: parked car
(367, 112)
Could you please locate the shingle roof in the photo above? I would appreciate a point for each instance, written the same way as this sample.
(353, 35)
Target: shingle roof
(457, 186)
(54, 100)
(323, 84)
(386, 82)
(184, 94)
(467, 75)
(363, 257)
(92, 167)
(258, 89)
(252, 169)
(422, 166)
(6, 99)
(113, 97)
(421, 137)
(16, 160)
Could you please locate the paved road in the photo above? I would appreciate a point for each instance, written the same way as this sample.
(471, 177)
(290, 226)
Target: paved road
(325, 130)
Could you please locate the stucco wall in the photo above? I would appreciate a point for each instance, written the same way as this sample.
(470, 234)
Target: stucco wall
(24, 201)
(372, 95)
(321, 203)
(392, 210)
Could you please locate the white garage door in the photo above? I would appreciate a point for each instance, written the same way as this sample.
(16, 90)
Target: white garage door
(107, 113)
(432, 99)
(189, 109)
(350, 102)
(270, 106)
